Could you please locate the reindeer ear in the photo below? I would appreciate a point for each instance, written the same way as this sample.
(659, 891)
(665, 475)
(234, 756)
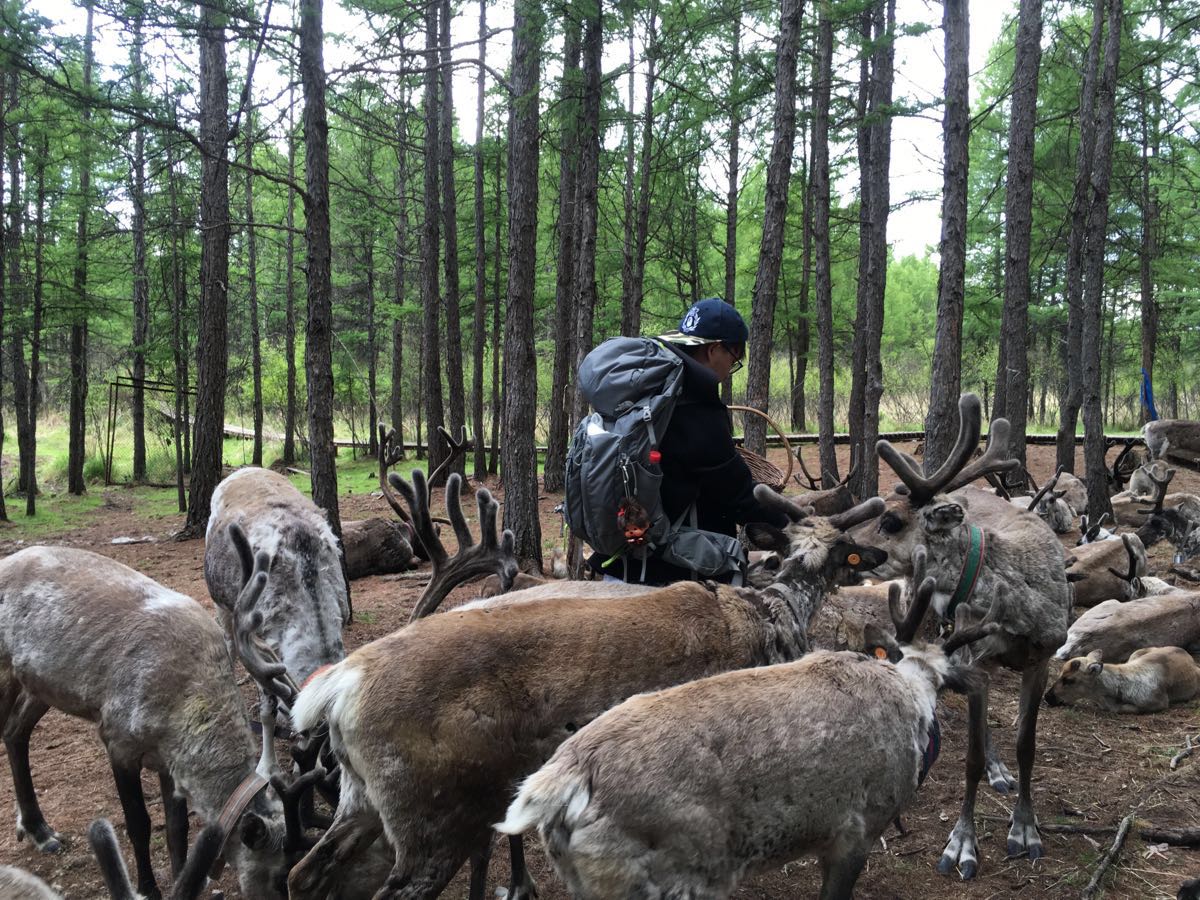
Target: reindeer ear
(943, 516)
(879, 644)
(767, 537)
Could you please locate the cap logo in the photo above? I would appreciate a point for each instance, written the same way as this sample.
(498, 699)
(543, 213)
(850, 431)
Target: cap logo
(691, 321)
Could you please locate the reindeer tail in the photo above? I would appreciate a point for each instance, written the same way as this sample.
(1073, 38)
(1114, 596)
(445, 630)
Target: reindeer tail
(553, 798)
(327, 696)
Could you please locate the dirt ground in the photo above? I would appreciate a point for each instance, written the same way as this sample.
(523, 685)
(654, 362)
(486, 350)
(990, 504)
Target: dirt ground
(1092, 768)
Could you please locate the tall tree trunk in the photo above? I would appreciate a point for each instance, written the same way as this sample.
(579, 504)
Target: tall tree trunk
(803, 329)
(733, 174)
(3, 290)
(252, 294)
(1012, 378)
(1148, 250)
(627, 220)
(941, 423)
(178, 241)
(587, 191)
(770, 254)
(318, 333)
(518, 457)
(1093, 269)
(16, 292)
(822, 279)
(35, 338)
(479, 333)
(290, 416)
(497, 387)
(561, 403)
(631, 293)
(454, 361)
(431, 357)
(1084, 157)
(372, 344)
(879, 24)
(77, 416)
(141, 284)
(401, 272)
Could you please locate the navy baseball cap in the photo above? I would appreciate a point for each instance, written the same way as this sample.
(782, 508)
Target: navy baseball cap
(710, 321)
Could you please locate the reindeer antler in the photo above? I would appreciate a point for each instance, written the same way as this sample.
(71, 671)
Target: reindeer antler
(1118, 477)
(262, 662)
(291, 794)
(1160, 492)
(856, 515)
(1044, 490)
(907, 624)
(492, 554)
(457, 449)
(390, 453)
(767, 497)
(954, 472)
(1133, 560)
(813, 484)
(964, 635)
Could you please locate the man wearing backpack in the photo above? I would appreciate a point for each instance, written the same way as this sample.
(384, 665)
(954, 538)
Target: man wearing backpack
(681, 490)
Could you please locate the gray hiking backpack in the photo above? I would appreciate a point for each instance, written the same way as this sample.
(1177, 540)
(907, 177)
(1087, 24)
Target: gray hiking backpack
(613, 475)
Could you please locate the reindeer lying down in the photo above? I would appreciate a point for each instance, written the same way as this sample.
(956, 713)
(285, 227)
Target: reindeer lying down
(1153, 679)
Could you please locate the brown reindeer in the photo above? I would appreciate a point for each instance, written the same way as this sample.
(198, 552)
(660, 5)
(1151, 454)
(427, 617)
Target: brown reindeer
(1118, 629)
(433, 723)
(1153, 679)
(980, 555)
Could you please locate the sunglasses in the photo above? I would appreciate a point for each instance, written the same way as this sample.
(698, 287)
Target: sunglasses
(737, 358)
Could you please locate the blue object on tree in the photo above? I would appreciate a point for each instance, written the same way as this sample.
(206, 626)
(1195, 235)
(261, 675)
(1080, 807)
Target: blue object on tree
(1148, 396)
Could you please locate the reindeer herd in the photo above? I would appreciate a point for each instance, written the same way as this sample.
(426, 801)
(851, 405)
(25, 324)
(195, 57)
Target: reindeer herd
(664, 742)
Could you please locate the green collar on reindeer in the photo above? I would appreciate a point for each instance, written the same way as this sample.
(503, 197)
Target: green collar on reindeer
(972, 564)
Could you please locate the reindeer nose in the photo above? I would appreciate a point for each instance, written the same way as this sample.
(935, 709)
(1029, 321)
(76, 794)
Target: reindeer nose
(1050, 699)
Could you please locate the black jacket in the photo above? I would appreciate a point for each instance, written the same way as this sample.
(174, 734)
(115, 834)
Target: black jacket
(700, 464)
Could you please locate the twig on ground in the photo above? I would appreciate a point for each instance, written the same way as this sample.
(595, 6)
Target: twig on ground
(1184, 753)
(1093, 886)
(407, 576)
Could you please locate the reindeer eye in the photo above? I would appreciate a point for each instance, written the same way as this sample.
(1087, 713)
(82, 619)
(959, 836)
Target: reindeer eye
(890, 523)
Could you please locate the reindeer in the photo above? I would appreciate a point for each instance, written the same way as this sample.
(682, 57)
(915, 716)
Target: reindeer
(980, 555)
(1174, 437)
(1118, 629)
(1153, 679)
(433, 723)
(1092, 568)
(84, 634)
(824, 501)
(676, 794)
(1049, 505)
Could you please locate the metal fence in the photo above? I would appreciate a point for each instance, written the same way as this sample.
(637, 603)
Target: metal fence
(164, 432)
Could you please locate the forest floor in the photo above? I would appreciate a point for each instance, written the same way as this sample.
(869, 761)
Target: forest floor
(1092, 768)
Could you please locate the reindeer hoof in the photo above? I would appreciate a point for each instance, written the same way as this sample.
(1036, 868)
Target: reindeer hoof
(961, 853)
(43, 836)
(1024, 840)
(1000, 778)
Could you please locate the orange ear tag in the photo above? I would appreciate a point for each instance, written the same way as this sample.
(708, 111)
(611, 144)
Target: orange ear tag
(880, 653)
(854, 559)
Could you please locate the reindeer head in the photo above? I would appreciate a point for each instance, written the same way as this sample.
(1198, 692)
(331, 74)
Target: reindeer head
(1078, 680)
(812, 548)
(920, 508)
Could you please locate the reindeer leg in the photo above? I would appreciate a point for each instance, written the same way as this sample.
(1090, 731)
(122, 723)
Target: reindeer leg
(521, 885)
(479, 869)
(175, 810)
(998, 774)
(841, 874)
(21, 718)
(137, 824)
(1023, 836)
(962, 850)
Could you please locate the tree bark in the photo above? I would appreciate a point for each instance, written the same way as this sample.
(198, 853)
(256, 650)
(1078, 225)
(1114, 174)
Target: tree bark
(431, 357)
(1093, 270)
(290, 413)
(733, 174)
(562, 406)
(318, 350)
(770, 254)
(141, 284)
(77, 416)
(497, 399)
(17, 295)
(822, 280)
(631, 288)
(518, 458)
(401, 273)
(879, 25)
(941, 423)
(1084, 157)
(587, 192)
(182, 426)
(480, 311)
(454, 362)
(252, 296)
(803, 333)
(1012, 378)
(1148, 251)
(35, 340)
(628, 207)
